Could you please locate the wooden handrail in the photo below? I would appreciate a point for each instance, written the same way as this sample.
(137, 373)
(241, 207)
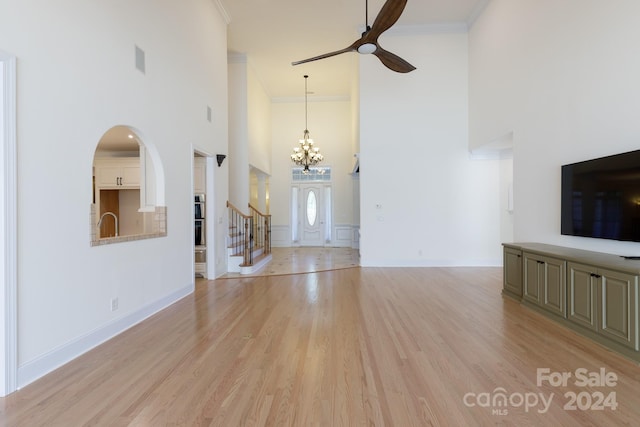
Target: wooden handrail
(230, 205)
(256, 209)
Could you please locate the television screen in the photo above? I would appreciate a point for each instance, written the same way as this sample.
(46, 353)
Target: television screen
(601, 198)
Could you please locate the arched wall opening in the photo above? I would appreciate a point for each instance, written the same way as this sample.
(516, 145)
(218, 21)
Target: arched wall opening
(128, 188)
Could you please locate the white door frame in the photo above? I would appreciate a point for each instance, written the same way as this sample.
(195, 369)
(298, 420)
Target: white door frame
(297, 220)
(210, 213)
(8, 221)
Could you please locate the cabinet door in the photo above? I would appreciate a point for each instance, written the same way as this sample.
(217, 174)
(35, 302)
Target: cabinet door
(533, 272)
(512, 281)
(554, 286)
(108, 176)
(130, 175)
(618, 307)
(582, 296)
(118, 173)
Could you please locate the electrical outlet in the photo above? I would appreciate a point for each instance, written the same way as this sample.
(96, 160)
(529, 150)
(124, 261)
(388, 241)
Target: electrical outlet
(114, 304)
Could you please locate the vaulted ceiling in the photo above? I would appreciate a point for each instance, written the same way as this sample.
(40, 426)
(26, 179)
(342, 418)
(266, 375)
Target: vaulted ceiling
(273, 33)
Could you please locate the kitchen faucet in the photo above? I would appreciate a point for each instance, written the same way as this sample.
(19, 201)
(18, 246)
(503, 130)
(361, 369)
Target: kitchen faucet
(114, 217)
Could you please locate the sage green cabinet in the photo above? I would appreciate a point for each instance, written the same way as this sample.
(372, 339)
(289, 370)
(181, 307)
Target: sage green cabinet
(618, 307)
(512, 271)
(593, 293)
(582, 295)
(545, 282)
(604, 301)
(533, 276)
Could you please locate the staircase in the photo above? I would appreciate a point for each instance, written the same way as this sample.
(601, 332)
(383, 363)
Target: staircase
(249, 241)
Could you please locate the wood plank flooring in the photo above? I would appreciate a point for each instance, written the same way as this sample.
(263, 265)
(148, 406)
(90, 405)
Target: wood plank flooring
(354, 346)
(305, 260)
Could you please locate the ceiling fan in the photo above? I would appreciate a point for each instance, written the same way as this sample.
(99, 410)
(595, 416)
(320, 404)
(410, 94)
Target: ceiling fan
(368, 43)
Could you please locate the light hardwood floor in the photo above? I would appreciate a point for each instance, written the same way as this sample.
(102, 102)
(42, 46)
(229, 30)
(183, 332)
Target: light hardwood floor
(305, 260)
(354, 346)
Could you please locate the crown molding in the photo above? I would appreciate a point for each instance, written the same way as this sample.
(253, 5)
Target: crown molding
(223, 12)
(476, 12)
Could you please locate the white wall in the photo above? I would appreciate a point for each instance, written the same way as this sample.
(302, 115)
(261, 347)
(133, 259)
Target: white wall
(249, 129)
(506, 199)
(238, 132)
(76, 79)
(423, 200)
(563, 77)
(259, 121)
(329, 123)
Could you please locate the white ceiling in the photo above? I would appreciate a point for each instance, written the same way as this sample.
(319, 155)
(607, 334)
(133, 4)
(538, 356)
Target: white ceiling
(273, 33)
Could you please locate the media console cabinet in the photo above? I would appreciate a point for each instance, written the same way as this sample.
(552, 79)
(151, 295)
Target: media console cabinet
(595, 294)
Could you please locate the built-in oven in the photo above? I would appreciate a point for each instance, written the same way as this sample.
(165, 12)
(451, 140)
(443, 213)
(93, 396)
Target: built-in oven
(199, 206)
(199, 219)
(199, 232)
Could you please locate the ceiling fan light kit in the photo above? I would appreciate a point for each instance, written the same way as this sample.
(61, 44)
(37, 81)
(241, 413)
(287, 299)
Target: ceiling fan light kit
(368, 43)
(367, 48)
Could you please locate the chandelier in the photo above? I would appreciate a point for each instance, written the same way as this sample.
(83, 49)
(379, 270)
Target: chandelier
(306, 154)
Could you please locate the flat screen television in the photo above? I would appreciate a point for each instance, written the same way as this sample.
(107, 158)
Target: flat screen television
(601, 198)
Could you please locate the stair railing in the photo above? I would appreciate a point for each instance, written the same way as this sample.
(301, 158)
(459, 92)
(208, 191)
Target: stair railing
(262, 229)
(241, 231)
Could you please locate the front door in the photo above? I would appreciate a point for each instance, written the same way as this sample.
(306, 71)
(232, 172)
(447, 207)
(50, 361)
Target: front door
(311, 216)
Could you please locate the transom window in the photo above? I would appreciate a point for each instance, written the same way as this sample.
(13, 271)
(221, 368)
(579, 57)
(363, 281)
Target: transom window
(314, 174)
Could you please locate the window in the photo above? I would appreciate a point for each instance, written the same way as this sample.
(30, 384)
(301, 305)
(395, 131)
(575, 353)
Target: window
(314, 174)
(312, 213)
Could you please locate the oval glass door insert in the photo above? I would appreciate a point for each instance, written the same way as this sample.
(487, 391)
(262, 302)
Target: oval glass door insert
(311, 208)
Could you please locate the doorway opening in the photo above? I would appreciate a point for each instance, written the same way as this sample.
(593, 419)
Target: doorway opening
(203, 216)
(311, 207)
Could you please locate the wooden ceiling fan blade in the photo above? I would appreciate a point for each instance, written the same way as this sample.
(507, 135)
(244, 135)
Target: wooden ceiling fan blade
(326, 55)
(393, 61)
(388, 15)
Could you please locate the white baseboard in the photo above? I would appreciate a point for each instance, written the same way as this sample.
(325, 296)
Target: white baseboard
(54, 359)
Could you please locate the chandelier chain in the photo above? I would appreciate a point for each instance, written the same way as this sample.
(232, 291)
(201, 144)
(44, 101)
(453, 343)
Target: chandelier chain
(306, 113)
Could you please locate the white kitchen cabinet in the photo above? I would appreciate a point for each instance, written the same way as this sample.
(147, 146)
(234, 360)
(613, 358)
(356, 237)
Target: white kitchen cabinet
(117, 173)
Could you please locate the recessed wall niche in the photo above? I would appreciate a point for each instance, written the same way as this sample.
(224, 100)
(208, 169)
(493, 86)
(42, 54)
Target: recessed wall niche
(127, 184)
